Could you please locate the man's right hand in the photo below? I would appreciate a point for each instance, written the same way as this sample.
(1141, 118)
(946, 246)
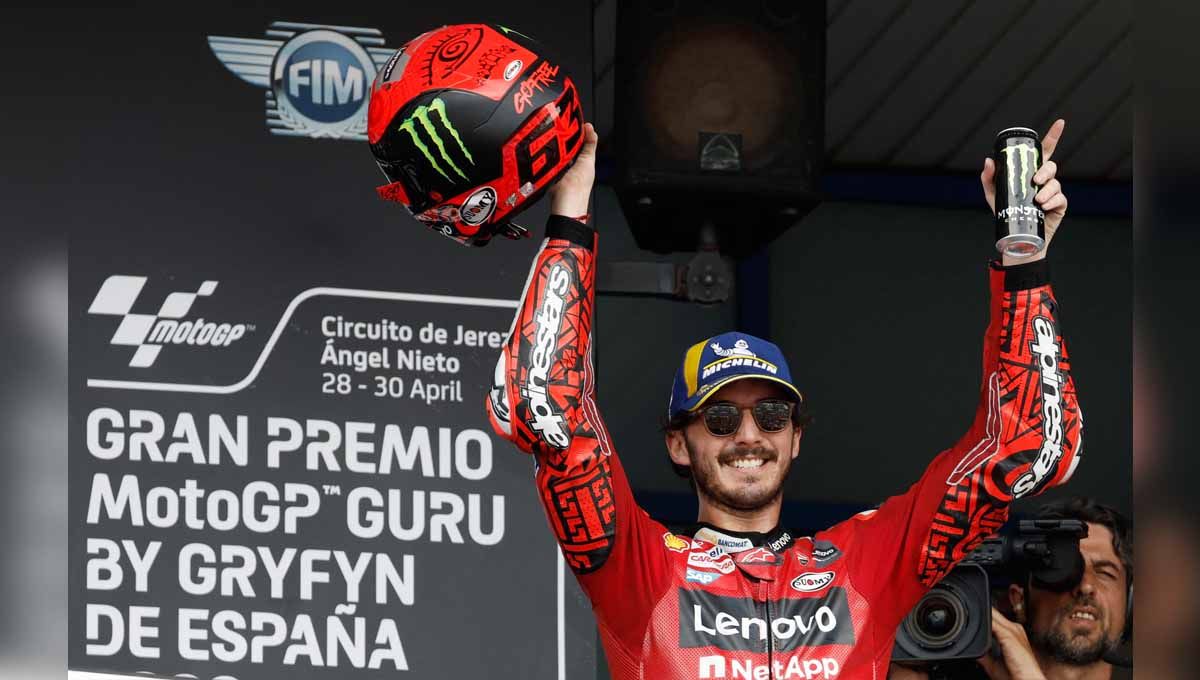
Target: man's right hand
(1017, 661)
(569, 195)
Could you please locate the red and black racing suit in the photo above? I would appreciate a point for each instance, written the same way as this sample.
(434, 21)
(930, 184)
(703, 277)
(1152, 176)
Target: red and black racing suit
(825, 606)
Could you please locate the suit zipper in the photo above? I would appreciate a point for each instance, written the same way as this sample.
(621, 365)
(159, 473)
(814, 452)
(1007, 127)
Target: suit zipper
(766, 587)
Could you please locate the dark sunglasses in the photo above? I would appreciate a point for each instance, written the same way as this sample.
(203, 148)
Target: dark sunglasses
(724, 418)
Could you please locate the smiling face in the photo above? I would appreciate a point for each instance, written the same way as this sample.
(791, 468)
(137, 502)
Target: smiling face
(744, 471)
(1077, 627)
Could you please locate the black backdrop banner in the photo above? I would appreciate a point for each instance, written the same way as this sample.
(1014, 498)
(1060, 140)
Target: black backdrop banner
(280, 464)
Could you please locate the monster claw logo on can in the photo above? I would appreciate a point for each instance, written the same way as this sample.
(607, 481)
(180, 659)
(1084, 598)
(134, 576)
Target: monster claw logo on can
(1020, 222)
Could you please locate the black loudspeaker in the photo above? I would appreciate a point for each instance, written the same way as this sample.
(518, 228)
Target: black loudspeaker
(718, 118)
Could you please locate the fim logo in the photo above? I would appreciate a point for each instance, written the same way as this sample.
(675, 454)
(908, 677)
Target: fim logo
(149, 332)
(317, 77)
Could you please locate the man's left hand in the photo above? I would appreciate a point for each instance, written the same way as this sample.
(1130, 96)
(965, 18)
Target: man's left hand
(1050, 195)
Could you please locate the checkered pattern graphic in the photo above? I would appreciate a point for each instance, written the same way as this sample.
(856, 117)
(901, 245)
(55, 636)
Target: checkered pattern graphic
(116, 298)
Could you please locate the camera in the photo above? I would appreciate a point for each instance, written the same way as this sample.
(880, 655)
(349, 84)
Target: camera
(953, 621)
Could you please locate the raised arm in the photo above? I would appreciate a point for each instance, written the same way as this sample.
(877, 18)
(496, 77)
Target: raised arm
(542, 398)
(543, 401)
(1026, 435)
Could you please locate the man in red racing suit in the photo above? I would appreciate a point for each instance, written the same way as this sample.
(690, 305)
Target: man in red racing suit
(722, 603)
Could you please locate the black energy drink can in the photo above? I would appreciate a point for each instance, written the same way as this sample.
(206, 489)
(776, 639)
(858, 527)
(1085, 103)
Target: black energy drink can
(1020, 222)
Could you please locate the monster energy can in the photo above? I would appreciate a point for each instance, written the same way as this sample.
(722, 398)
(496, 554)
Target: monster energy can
(1020, 222)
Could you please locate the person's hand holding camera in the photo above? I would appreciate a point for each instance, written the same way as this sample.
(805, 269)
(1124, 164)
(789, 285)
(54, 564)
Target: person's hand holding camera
(1017, 661)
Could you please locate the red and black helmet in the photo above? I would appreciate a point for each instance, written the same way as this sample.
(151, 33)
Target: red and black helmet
(471, 123)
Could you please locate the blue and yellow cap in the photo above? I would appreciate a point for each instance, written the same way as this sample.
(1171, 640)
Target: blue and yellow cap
(713, 363)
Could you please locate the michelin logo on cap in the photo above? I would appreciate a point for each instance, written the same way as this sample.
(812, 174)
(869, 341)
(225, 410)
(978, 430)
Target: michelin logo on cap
(739, 355)
(740, 347)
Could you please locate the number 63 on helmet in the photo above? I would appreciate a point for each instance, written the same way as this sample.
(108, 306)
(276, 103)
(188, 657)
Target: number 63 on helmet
(471, 123)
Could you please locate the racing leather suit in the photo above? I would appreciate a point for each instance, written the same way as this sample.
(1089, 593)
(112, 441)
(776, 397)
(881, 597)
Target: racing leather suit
(724, 605)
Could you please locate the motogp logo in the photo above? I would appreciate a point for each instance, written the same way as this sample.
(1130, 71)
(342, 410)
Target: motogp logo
(150, 332)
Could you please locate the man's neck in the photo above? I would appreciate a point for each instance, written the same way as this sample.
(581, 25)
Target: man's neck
(1057, 670)
(762, 519)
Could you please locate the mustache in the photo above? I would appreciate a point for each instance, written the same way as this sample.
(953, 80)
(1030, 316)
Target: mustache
(734, 452)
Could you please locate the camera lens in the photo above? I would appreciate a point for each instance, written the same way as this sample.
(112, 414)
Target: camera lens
(937, 619)
(950, 621)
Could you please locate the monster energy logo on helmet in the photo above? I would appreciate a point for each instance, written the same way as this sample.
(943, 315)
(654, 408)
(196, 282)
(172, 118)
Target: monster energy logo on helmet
(421, 116)
(1026, 155)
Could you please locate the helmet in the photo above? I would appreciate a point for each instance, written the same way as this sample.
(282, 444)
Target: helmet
(471, 123)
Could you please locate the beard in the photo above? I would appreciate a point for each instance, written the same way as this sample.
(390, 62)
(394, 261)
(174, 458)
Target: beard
(740, 498)
(1075, 650)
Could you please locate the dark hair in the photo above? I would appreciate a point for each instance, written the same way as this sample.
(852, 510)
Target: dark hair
(1085, 509)
(801, 419)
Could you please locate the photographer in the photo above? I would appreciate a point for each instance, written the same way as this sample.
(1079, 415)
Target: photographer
(1070, 634)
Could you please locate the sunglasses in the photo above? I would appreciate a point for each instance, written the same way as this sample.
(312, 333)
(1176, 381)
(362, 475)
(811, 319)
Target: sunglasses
(724, 418)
